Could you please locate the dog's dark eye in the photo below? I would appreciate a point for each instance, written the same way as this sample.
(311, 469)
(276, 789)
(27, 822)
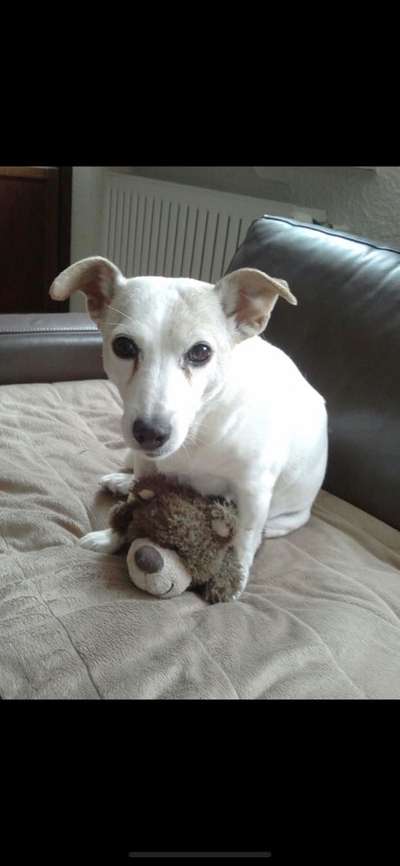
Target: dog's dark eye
(124, 347)
(199, 354)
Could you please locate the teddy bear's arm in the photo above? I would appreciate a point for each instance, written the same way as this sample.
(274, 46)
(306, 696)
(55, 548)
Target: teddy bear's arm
(224, 586)
(121, 516)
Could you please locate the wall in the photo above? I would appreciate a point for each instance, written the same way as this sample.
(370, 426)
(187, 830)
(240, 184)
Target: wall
(86, 218)
(361, 202)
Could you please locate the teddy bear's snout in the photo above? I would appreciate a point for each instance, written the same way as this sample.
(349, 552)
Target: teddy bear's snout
(148, 559)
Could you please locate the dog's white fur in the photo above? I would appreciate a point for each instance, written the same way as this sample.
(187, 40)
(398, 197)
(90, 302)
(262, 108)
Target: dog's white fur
(245, 424)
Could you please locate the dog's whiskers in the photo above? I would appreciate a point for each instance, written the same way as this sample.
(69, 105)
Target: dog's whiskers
(195, 439)
(186, 451)
(110, 307)
(111, 324)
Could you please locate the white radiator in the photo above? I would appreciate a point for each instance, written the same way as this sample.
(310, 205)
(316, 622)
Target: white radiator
(161, 228)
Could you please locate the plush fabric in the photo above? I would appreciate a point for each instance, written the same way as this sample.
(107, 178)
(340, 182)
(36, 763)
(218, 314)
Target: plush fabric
(320, 617)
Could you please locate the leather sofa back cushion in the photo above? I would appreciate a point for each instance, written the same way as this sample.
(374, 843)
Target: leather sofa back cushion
(49, 347)
(345, 338)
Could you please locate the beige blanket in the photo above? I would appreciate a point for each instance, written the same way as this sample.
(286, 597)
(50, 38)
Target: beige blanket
(319, 618)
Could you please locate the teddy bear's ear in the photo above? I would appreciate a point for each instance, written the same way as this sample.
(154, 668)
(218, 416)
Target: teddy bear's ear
(146, 494)
(221, 525)
(139, 492)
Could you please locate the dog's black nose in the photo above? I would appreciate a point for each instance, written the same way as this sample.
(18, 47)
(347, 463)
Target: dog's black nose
(151, 435)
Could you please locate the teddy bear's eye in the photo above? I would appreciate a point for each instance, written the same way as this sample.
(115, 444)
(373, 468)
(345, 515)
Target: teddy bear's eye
(125, 347)
(199, 354)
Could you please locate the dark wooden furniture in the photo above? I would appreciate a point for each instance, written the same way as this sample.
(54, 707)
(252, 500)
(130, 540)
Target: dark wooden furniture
(35, 226)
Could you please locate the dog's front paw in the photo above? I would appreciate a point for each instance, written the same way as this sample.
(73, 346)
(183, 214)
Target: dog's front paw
(102, 541)
(118, 483)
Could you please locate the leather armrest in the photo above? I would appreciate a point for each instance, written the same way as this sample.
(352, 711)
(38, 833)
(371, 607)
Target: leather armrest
(49, 347)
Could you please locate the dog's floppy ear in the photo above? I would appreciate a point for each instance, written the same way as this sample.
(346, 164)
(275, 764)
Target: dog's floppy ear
(95, 276)
(248, 297)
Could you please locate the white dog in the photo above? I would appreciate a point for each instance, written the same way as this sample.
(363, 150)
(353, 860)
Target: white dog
(205, 398)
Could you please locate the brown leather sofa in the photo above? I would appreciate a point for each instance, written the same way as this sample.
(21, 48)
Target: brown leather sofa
(321, 617)
(346, 340)
(49, 347)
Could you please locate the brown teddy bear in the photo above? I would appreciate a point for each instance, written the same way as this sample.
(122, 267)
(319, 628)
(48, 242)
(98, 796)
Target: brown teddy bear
(179, 539)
